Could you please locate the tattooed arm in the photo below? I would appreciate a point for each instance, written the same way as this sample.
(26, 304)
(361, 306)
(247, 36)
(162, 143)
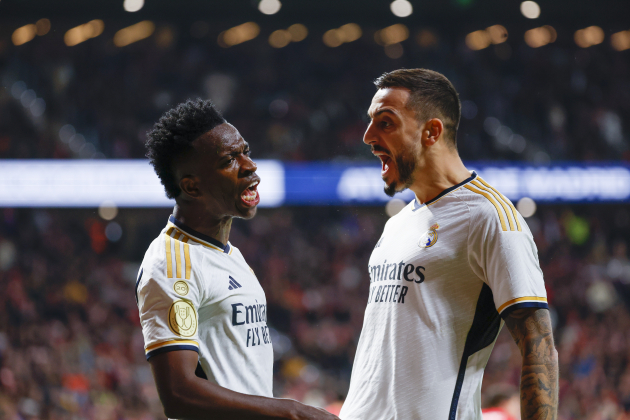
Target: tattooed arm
(531, 330)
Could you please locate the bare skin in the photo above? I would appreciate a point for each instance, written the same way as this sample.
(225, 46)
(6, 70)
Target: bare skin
(212, 179)
(531, 330)
(402, 141)
(185, 396)
(395, 132)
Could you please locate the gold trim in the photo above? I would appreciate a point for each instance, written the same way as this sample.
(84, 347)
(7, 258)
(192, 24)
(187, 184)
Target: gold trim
(169, 261)
(165, 343)
(507, 200)
(178, 258)
(496, 206)
(505, 208)
(521, 299)
(187, 257)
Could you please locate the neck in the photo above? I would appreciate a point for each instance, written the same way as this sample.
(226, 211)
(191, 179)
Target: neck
(198, 219)
(438, 172)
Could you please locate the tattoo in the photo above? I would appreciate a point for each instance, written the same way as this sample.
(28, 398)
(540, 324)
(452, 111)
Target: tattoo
(532, 332)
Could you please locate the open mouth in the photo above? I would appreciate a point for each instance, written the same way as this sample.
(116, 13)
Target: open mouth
(250, 197)
(386, 164)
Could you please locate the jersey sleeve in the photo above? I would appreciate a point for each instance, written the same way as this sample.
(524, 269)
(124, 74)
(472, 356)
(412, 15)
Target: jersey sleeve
(504, 255)
(168, 299)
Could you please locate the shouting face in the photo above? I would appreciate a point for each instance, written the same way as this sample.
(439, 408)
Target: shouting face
(220, 173)
(394, 136)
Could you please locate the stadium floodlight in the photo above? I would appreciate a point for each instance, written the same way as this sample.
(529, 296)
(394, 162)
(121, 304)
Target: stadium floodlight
(401, 8)
(620, 40)
(42, 26)
(349, 32)
(133, 5)
(238, 34)
(134, 33)
(530, 9)
(269, 7)
(587, 37)
(391, 35)
(526, 206)
(280, 38)
(539, 37)
(24, 34)
(82, 33)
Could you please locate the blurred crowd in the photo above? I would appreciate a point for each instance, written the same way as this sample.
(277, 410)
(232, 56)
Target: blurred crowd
(71, 346)
(70, 341)
(308, 101)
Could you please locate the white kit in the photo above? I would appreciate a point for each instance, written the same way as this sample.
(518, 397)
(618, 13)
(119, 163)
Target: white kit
(196, 294)
(441, 277)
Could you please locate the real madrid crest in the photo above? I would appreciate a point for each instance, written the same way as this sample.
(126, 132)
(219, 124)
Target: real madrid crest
(430, 237)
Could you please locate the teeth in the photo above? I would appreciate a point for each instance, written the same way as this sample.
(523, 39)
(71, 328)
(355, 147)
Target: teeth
(253, 184)
(249, 195)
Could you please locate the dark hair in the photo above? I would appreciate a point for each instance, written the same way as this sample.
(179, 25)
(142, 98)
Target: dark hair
(173, 134)
(432, 96)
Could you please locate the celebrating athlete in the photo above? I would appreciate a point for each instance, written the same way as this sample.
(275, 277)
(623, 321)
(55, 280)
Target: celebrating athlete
(450, 268)
(202, 310)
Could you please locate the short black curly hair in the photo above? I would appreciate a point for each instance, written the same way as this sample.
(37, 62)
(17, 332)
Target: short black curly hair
(173, 135)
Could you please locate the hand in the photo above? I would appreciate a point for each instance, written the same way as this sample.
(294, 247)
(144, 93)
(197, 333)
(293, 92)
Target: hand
(307, 412)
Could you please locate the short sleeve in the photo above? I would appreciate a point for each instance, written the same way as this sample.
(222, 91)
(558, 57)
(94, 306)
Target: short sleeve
(507, 261)
(168, 303)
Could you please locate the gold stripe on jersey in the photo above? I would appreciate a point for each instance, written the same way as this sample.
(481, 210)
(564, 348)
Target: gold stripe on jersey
(187, 257)
(521, 299)
(509, 203)
(170, 342)
(491, 200)
(178, 257)
(505, 208)
(169, 261)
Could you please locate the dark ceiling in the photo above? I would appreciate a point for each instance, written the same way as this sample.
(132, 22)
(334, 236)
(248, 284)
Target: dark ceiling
(459, 14)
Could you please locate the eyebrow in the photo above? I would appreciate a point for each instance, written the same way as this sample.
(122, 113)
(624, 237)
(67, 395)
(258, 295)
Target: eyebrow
(381, 112)
(235, 150)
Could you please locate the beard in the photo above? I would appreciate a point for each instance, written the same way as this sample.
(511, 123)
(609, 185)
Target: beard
(405, 167)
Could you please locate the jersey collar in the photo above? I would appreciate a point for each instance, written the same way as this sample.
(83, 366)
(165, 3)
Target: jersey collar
(417, 205)
(200, 237)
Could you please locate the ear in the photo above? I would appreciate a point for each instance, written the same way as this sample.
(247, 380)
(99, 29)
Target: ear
(189, 185)
(432, 131)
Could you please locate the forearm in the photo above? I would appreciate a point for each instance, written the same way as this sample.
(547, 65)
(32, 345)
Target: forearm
(532, 333)
(185, 396)
(539, 385)
(200, 399)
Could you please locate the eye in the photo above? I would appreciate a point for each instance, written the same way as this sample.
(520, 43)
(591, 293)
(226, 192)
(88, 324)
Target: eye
(385, 124)
(247, 152)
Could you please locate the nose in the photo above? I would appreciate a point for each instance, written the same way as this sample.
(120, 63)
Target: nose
(369, 137)
(248, 166)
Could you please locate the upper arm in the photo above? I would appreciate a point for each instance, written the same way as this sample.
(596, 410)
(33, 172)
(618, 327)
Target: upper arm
(532, 331)
(168, 299)
(173, 369)
(505, 259)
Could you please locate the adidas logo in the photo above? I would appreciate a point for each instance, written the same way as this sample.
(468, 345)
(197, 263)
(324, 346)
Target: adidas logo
(233, 284)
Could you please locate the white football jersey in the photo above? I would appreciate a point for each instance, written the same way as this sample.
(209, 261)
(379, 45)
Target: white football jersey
(195, 294)
(441, 277)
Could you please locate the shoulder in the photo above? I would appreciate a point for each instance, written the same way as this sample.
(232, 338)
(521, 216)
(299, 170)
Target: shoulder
(236, 254)
(489, 207)
(155, 256)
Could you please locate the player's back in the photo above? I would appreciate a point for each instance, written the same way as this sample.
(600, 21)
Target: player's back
(433, 310)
